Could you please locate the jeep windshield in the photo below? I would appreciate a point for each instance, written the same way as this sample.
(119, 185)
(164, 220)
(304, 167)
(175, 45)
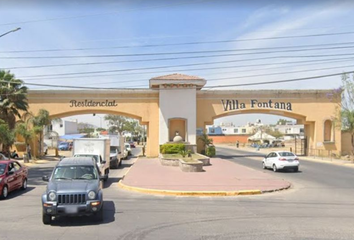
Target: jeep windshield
(75, 172)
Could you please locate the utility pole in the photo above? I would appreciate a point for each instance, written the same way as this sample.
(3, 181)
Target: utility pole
(13, 30)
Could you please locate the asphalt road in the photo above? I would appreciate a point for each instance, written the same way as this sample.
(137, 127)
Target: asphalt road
(318, 206)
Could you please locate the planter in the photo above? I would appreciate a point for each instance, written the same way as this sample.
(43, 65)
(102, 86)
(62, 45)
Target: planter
(204, 159)
(169, 162)
(191, 167)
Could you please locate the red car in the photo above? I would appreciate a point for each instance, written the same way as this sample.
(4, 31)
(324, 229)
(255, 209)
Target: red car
(12, 176)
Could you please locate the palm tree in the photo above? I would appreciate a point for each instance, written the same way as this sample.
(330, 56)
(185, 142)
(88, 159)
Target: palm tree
(13, 98)
(7, 136)
(39, 121)
(205, 140)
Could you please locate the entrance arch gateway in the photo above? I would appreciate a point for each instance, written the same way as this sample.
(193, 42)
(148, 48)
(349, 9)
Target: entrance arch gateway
(176, 104)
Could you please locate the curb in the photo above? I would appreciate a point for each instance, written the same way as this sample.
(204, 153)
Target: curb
(190, 193)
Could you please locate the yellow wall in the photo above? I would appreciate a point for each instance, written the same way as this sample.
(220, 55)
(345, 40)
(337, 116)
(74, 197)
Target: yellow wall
(139, 104)
(346, 143)
(309, 107)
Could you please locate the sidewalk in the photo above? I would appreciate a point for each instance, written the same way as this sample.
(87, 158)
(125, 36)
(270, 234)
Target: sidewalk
(33, 162)
(221, 178)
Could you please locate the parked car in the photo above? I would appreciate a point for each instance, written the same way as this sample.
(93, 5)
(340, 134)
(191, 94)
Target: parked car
(3, 157)
(64, 146)
(114, 157)
(132, 144)
(281, 160)
(74, 189)
(128, 148)
(12, 176)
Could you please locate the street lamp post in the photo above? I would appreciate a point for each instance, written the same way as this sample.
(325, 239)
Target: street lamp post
(13, 30)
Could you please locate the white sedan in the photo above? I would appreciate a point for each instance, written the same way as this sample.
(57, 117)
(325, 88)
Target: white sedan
(281, 160)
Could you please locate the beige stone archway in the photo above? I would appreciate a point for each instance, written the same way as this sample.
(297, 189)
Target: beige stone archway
(178, 96)
(309, 107)
(139, 104)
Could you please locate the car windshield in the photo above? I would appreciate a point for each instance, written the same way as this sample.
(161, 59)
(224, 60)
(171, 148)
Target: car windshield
(286, 154)
(2, 168)
(75, 172)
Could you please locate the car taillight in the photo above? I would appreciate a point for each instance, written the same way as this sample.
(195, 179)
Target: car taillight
(282, 159)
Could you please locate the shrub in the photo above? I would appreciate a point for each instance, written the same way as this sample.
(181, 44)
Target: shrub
(172, 148)
(210, 151)
(183, 153)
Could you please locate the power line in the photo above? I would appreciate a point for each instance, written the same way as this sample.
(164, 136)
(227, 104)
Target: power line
(161, 45)
(167, 59)
(217, 86)
(186, 43)
(279, 81)
(172, 66)
(167, 53)
(246, 76)
(310, 62)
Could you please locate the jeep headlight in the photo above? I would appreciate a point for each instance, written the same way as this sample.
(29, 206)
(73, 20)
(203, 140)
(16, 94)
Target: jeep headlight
(52, 196)
(91, 195)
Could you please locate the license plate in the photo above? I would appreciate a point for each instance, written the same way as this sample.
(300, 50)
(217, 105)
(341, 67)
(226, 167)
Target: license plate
(71, 209)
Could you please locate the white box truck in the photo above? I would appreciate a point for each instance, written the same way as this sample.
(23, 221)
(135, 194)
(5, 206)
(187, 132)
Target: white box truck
(97, 148)
(116, 149)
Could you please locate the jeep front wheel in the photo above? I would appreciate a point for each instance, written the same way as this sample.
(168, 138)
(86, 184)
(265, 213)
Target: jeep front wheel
(47, 219)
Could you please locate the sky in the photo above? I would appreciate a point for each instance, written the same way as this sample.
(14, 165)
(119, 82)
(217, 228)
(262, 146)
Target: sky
(122, 44)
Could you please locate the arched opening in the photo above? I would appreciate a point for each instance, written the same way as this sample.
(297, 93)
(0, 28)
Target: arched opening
(276, 131)
(93, 123)
(328, 131)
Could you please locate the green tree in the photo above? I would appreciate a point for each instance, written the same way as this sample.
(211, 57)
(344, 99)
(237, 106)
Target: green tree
(116, 123)
(13, 98)
(346, 109)
(7, 136)
(120, 124)
(274, 133)
(282, 122)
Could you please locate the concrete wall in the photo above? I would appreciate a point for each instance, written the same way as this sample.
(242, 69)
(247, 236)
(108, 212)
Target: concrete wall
(177, 103)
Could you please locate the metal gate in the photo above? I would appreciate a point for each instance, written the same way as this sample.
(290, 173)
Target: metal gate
(300, 146)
